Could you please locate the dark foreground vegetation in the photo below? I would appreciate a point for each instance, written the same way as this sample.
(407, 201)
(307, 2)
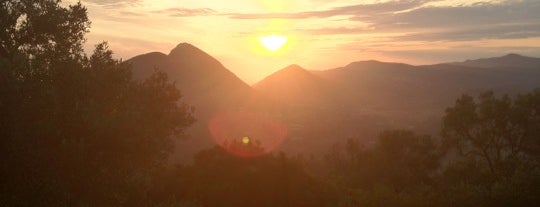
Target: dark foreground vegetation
(77, 130)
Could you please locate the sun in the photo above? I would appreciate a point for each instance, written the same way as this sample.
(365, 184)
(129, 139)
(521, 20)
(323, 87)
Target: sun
(273, 42)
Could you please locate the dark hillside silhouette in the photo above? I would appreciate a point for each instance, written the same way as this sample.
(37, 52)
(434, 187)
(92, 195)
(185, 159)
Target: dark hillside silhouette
(76, 129)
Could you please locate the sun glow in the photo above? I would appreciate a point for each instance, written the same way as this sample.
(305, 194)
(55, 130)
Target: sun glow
(273, 42)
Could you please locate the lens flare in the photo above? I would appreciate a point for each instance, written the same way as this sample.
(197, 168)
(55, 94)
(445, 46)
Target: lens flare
(246, 134)
(245, 140)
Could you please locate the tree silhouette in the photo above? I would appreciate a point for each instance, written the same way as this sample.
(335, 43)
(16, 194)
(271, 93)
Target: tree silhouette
(76, 130)
(400, 160)
(500, 131)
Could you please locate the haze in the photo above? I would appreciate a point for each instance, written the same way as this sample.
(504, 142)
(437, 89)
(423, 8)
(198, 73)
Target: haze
(270, 103)
(322, 34)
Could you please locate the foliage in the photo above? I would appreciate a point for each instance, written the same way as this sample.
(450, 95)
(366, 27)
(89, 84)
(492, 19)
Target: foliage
(400, 160)
(496, 140)
(218, 178)
(499, 131)
(76, 130)
(488, 157)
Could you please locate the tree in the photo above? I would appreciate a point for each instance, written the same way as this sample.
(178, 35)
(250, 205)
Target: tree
(220, 178)
(400, 160)
(76, 130)
(501, 132)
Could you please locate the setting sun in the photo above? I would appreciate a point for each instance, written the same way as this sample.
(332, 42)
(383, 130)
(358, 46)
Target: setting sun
(273, 42)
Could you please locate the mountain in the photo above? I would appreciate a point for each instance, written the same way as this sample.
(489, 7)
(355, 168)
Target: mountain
(397, 86)
(376, 96)
(321, 108)
(203, 80)
(295, 86)
(508, 61)
(204, 83)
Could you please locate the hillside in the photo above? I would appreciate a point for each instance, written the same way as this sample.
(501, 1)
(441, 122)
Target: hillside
(507, 61)
(320, 108)
(295, 86)
(204, 83)
(202, 79)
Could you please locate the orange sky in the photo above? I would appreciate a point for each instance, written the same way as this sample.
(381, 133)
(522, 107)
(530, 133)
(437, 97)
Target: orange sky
(321, 34)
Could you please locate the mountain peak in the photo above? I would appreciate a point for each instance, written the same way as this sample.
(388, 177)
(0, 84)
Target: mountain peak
(511, 60)
(290, 73)
(293, 70)
(189, 54)
(293, 67)
(512, 55)
(184, 48)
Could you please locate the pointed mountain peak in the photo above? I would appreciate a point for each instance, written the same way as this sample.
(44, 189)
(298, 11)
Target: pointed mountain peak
(293, 67)
(189, 54)
(290, 73)
(293, 70)
(185, 48)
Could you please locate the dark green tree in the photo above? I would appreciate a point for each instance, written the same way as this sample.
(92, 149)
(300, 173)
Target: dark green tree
(76, 130)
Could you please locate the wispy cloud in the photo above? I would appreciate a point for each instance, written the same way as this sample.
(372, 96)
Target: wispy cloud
(186, 12)
(511, 31)
(459, 16)
(355, 10)
(336, 30)
(113, 3)
(421, 22)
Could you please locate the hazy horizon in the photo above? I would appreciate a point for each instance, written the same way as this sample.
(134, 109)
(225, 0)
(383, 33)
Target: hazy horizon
(320, 34)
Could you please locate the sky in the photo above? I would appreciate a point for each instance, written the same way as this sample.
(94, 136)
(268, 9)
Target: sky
(321, 34)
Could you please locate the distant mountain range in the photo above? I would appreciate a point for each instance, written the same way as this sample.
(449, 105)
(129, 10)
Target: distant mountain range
(508, 61)
(324, 107)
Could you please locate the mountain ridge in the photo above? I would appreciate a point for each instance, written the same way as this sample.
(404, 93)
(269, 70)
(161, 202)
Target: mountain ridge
(510, 60)
(322, 107)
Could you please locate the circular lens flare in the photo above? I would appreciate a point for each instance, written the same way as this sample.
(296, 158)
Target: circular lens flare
(246, 134)
(273, 42)
(245, 140)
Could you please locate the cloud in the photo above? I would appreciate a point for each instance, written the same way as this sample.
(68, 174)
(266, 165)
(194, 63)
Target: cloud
(336, 30)
(113, 4)
(186, 12)
(458, 16)
(507, 20)
(423, 22)
(434, 56)
(132, 14)
(104, 2)
(511, 31)
(355, 10)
